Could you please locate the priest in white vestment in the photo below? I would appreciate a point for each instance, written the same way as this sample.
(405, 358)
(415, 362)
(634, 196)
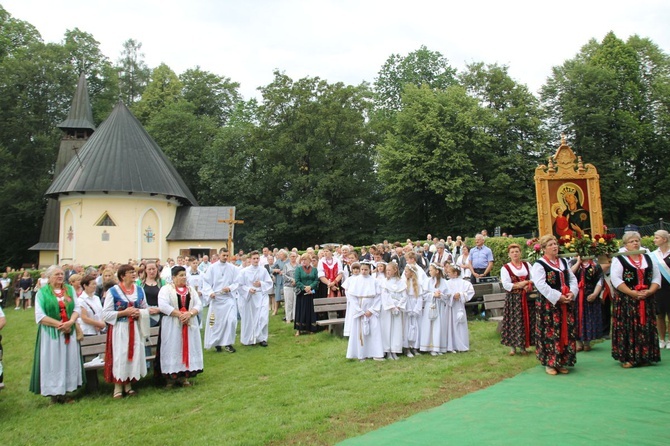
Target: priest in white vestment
(254, 284)
(219, 289)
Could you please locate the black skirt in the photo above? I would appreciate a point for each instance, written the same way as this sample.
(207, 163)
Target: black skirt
(305, 318)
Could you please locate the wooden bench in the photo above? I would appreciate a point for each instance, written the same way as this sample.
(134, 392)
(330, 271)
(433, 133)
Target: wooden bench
(494, 304)
(490, 286)
(92, 346)
(331, 305)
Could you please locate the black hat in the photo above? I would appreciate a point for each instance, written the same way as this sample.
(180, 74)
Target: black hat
(631, 228)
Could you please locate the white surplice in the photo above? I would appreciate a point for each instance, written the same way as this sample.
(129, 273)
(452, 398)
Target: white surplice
(394, 297)
(458, 337)
(434, 331)
(221, 323)
(254, 309)
(365, 337)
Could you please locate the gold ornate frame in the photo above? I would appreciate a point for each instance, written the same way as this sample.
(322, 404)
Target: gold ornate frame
(566, 175)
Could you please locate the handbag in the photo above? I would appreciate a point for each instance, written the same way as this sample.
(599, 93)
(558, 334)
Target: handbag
(432, 311)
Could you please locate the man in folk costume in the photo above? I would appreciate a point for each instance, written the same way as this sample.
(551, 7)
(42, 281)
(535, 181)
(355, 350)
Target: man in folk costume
(125, 311)
(254, 284)
(330, 274)
(219, 287)
(180, 352)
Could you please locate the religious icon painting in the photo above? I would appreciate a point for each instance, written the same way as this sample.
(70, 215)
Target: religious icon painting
(568, 195)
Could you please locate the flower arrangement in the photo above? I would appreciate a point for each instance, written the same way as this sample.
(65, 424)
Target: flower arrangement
(605, 244)
(533, 250)
(567, 246)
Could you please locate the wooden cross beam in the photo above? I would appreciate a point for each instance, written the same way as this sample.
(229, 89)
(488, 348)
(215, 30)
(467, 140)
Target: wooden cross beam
(231, 221)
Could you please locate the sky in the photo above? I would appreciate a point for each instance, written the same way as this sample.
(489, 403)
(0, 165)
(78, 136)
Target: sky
(346, 41)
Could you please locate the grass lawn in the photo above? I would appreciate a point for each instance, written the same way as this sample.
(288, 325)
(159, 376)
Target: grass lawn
(297, 391)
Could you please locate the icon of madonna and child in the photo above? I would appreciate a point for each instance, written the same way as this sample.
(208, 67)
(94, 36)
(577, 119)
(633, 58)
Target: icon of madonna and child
(570, 211)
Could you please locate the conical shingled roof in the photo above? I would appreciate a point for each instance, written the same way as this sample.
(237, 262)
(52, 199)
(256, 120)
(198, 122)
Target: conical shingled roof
(121, 157)
(81, 115)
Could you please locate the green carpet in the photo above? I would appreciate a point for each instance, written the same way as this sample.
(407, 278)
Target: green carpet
(597, 403)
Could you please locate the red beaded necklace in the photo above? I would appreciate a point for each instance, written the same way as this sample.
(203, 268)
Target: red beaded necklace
(556, 264)
(518, 268)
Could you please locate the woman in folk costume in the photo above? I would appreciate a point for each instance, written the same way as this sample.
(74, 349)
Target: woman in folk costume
(363, 309)
(434, 318)
(518, 324)
(125, 311)
(555, 319)
(661, 259)
(58, 367)
(634, 335)
(413, 311)
(393, 306)
(460, 291)
(587, 308)
(330, 274)
(180, 348)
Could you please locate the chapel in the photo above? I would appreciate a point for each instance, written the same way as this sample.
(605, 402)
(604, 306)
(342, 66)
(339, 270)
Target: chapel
(116, 196)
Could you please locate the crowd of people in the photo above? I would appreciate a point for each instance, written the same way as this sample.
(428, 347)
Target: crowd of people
(401, 300)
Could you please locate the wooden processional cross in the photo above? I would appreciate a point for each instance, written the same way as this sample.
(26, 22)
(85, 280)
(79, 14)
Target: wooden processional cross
(231, 221)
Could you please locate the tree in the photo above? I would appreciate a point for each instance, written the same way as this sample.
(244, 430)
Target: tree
(212, 95)
(163, 89)
(418, 68)
(15, 34)
(611, 100)
(184, 137)
(84, 55)
(430, 160)
(519, 143)
(134, 74)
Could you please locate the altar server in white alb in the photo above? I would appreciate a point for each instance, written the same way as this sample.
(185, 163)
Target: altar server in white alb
(394, 297)
(434, 317)
(219, 287)
(180, 348)
(254, 285)
(363, 308)
(461, 291)
(413, 311)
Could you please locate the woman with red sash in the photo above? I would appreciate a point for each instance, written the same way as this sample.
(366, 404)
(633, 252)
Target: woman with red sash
(58, 367)
(180, 347)
(555, 319)
(330, 274)
(587, 308)
(518, 325)
(125, 312)
(634, 335)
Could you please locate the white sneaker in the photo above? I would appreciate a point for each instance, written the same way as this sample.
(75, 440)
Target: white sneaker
(394, 356)
(661, 344)
(380, 359)
(667, 345)
(433, 353)
(409, 354)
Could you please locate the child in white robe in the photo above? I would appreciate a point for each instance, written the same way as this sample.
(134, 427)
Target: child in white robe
(413, 311)
(393, 305)
(363, 308)
(434, 318)
(461, 291)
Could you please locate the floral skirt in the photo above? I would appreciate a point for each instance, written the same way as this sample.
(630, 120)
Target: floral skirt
(550, 350)
(513, 332)
(633, 341)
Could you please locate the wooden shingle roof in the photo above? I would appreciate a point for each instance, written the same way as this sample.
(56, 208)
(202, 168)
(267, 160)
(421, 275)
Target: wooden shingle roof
(81, 114)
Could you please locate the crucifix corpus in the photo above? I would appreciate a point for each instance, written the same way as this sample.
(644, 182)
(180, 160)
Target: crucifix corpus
(231, 221)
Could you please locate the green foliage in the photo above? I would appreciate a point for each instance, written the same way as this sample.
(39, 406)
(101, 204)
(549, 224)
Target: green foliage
(612, 99)
(184, 137)
(212, 95)
(134, 74)
(164, 89)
